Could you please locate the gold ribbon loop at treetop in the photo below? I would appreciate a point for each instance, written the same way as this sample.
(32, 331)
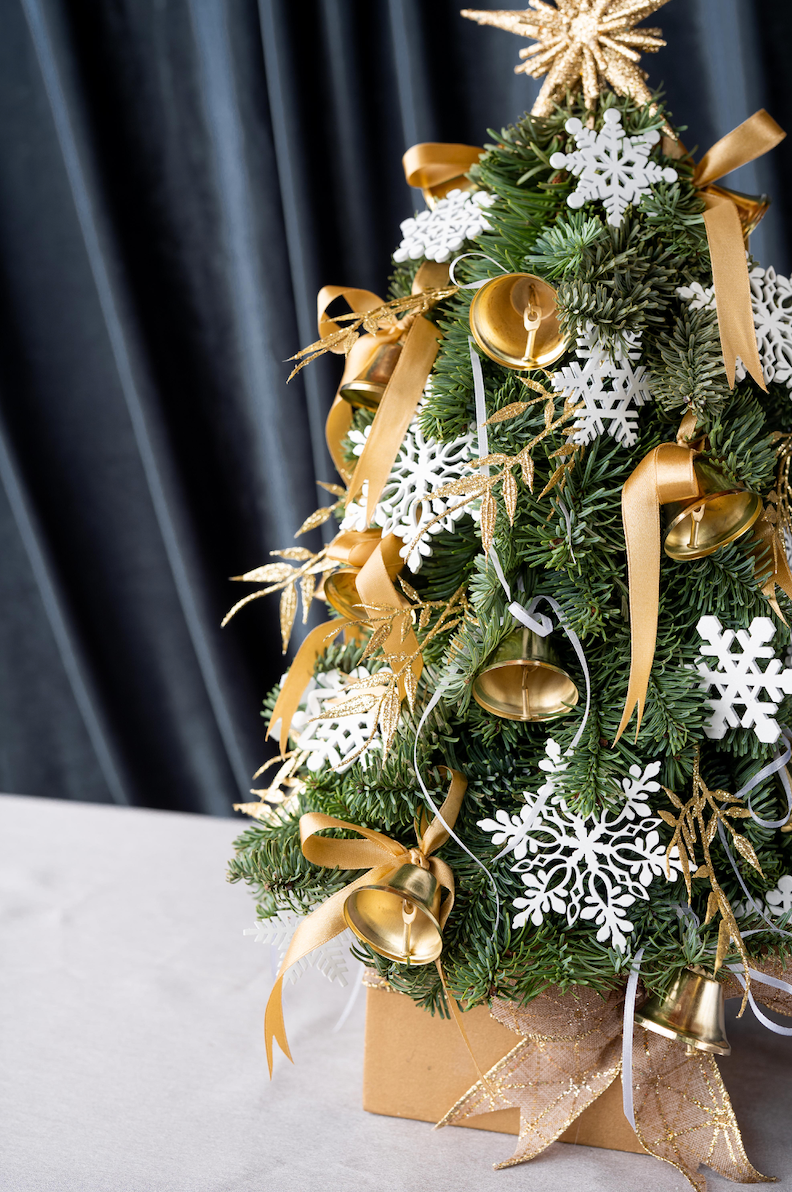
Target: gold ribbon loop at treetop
(431, 164)
(666, 474)
(755, 137)
(381, 857)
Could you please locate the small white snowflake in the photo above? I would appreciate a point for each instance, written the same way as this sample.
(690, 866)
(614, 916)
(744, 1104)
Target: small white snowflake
(585, 867)
(771, 298)
(438, 234)
(407, 505)
(611, 166)
(738, 680)
(329, 958)
(612, 387)
(780, 899)
(332, 740)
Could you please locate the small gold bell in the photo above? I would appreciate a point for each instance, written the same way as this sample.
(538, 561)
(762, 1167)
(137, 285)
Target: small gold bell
(366, 390)
(719, 514)
(399, 919)
(524, 682)
(691, 1011)
(750, 208)
(514, 320)
(340, 592)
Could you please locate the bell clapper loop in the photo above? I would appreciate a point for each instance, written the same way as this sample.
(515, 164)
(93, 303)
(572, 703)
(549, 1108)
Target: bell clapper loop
(409, 915)
(696, 518)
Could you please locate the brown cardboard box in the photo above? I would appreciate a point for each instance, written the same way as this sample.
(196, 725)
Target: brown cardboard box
(417, 1066)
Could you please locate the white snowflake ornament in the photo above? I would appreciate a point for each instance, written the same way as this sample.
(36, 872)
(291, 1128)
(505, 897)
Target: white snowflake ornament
(329, 958)
(780, 899)
(589, 867)
(611, 166)
(611, 387)
(441, 232)
(771, 299)
(333, 740)
(738, 680)
(407, 504)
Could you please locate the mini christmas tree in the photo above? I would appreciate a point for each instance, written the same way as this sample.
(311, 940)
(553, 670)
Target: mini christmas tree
(579, 448)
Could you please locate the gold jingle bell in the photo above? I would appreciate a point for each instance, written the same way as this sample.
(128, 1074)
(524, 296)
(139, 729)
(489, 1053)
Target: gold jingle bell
(524, 682)
(366, 390)
(339, 588)
(399, 919)
(691, 1012)
(719, 514)
(750, 208)
(514, 320)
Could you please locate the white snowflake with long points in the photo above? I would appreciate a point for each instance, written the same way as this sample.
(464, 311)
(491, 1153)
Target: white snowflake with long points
(611, 166)
(612, 387)
(771, 298)
(589, 867)
(407, 506)
(779, 899)
(332, 740)
(330, 959)
(738, 679)
(439, 233)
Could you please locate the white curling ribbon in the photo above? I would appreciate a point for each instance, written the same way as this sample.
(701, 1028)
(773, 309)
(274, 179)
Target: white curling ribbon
(776, 766)
(628, 1031)
(471, 285)
(763, 979)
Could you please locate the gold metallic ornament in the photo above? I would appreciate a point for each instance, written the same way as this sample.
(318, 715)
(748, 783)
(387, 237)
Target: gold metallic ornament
(584, 43)
(339, 588)
(691, 1011)
(719, 513)
(514, 320)
(751, 209)
(399, 919)
(524, 682)
(366, 390)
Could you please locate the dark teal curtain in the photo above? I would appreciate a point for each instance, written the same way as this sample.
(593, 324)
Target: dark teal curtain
(178, 179)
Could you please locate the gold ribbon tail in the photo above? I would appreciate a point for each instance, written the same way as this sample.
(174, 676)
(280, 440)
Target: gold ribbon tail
(299, 676)
(378, 594)
(753, 138)
(381, 857)
(665, 474)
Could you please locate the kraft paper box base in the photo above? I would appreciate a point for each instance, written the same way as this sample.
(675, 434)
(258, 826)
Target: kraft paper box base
(417, 1066)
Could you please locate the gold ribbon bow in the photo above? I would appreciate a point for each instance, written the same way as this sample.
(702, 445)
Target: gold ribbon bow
(381, 856)
(568, 1054)
(666, 474)
(378, 558)
(433, 166)
(755, 137)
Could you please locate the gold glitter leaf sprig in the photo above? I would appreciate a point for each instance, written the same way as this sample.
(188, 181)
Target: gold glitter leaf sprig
(300, 571)
(587, 43)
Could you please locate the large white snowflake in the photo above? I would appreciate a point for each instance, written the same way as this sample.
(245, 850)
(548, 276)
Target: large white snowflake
(611, 166)
(407, 506)
(612, 387)
(771, 298)
(332, 740)
(439, 233)
(584, 867)
(738, 680)
(329, 958)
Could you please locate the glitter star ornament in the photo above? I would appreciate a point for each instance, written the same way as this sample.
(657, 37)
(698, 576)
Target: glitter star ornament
(586, 43)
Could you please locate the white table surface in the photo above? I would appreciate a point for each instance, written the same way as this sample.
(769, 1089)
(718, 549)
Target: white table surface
(132, 1052)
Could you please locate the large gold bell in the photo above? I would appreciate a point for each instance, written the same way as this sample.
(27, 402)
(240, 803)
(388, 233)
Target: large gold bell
(719, 514)
(400, 919)
(366, 390)
(524, 682)
(750, 208)
(691, 1011)
(514, 320)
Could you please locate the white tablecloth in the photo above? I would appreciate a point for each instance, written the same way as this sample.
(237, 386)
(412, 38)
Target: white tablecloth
(132, 1053)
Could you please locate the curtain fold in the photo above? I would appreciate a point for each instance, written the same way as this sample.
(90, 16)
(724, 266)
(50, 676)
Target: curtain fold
(179, 180)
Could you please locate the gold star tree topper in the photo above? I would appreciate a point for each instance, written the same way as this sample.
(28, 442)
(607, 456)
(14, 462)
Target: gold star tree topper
(592, 42)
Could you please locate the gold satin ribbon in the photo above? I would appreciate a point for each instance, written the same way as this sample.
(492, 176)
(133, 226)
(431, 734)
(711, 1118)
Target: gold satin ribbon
(378, 559)
(430, 164)
(381, 856)
(770, 546)
(665, 474)
(755, 137)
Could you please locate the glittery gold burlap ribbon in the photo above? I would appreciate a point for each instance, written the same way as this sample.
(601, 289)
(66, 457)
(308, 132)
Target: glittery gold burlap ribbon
(666, 474)
(378, 559)
(755, 137)
(431, 164)
(376, 853)
(568, 1054)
